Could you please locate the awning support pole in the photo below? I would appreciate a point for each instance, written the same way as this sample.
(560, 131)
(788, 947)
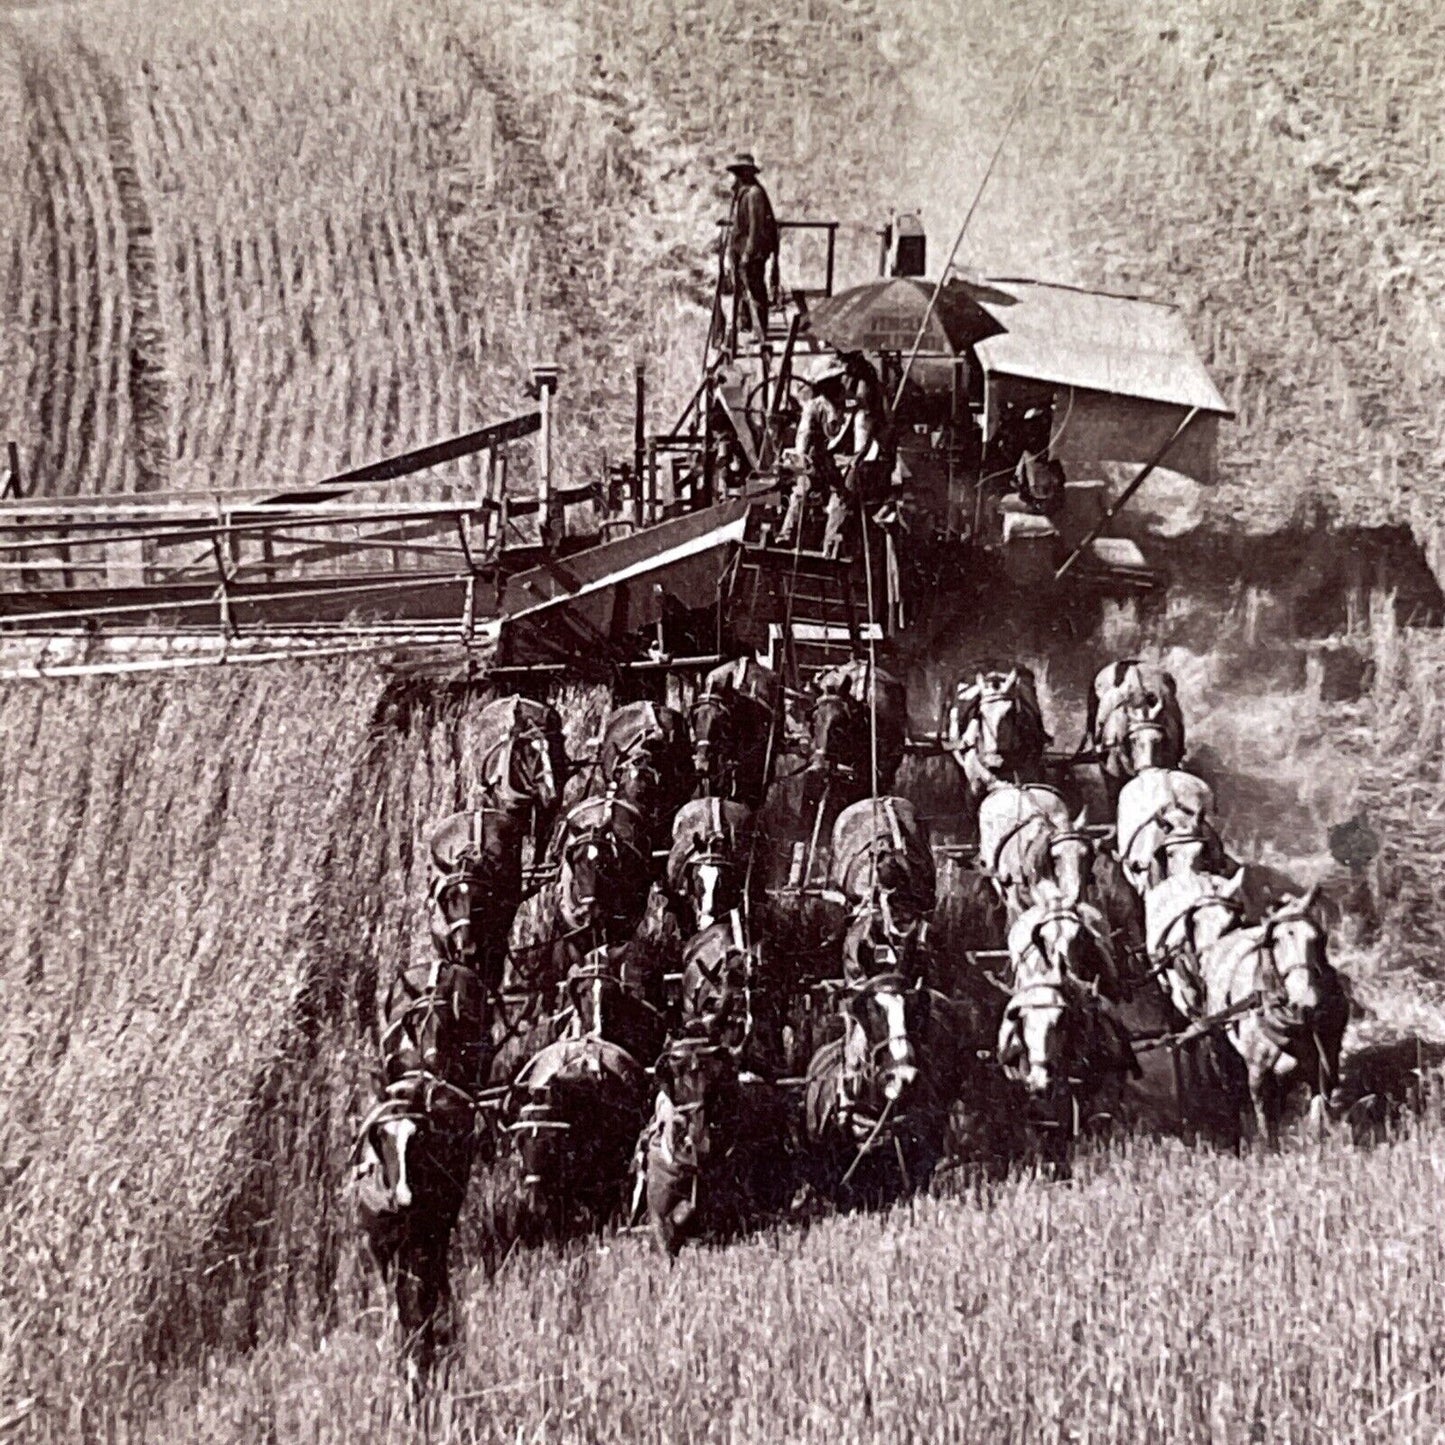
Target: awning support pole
(1113, 511)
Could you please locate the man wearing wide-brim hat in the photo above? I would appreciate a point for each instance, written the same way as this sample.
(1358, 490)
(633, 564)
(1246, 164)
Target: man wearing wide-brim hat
(752, 245)
(822, 430)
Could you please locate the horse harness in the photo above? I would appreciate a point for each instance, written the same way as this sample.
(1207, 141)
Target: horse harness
(1063, 914)
(398, 1105)
(1187, 950)
(470, 865)
(591, 832)
(1055, 994)
(718, 979)
(1028, 819)
(531, 735)
(1270, 1001)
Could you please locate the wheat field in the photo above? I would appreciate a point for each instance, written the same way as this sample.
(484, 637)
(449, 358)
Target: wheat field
(265, 242)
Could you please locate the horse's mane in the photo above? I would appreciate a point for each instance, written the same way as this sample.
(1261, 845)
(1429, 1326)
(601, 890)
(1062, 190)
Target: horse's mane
(1166, 902)
(468, 837)
(1036, 851)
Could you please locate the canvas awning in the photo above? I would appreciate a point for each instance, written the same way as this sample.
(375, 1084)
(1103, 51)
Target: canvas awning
(1093, 341)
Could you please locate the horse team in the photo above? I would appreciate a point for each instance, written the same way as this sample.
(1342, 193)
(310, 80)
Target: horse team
(725, 977)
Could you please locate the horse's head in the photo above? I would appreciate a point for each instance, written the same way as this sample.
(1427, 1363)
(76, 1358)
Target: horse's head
(532, 769)
(883, 1021)
(1145, 742)
(459, 902)
(707, 864)
(1294, 940)
(476, 861)
(1056, 936)
(713, 878)
(839, 733)
(644, 757)
(606, 997)
(1009, 732)
(600, 867)
(887, 928)
(638, 778)
(436, 1024)
(589, 863)
(699, 1081)
(1034, 1037)
(1184, 914)
(695, 1116)
(525, 770)
(712, 722)
(408, 1137)
(1057, 1034)
(716, 974)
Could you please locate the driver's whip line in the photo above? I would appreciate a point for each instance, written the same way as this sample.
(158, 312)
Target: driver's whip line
(872, 694)
(977, 197)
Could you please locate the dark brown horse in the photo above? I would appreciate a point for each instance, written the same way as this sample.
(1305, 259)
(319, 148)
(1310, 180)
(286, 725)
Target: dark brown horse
(644, 759)
(414, 1151)
(707, 866)
(717, 983)
(576, 1108)
(732, 722)
(436, 1022)
(413, 1159)
(716, 1155)
(476, 886)
(605, 868)
(523, 763)
(877, 1101)
(882, 865)
(848, 701)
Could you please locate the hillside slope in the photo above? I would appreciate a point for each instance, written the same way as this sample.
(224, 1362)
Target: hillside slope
(275, 243)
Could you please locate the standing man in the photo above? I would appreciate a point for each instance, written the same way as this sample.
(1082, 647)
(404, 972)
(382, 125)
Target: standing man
(752, 245)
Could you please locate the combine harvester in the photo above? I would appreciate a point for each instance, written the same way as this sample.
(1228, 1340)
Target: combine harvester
(674, 567)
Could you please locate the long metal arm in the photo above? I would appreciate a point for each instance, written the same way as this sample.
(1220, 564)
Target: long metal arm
(1113, 511)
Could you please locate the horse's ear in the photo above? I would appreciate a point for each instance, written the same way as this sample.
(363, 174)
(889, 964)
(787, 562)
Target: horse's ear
(978, 681)
(1010, 1040)
(1081, 820)
(1311, 897)
(1012, 680)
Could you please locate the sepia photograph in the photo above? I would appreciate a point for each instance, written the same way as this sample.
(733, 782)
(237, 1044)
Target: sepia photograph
(722, 724)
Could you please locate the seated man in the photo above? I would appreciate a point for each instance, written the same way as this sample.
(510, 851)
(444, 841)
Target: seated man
(868, 478)
(822, 430)
(1040, 482)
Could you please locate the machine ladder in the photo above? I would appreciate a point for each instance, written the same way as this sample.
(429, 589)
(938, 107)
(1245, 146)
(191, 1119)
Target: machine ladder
(801, 608)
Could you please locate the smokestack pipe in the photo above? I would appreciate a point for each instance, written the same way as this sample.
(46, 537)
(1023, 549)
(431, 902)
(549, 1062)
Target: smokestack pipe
(544, 383)
(639, 420)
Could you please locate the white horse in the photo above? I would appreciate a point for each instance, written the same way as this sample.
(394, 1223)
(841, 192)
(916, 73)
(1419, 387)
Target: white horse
(1163, 806)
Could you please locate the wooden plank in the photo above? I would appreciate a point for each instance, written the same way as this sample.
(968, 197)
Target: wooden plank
(390, 469)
